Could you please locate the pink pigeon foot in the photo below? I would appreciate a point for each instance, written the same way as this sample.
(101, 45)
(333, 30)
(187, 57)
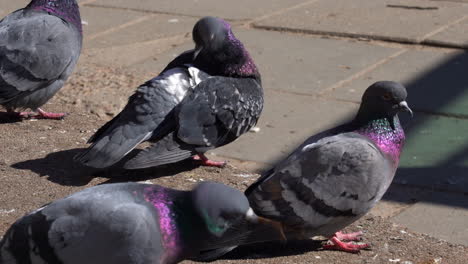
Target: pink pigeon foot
(41, 114)
(207, 162)
(47, 115)
(336, 244)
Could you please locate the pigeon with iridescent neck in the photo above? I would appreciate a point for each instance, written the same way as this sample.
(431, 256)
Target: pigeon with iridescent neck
(335, 177)
(128, 223)
(39, 48)
(204, 99)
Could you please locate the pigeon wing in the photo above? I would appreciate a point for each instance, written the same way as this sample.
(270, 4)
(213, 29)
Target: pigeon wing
(216, 112)
(35, 50)
(338, 176)
(99, 221)
(144, 113)
(219, 111)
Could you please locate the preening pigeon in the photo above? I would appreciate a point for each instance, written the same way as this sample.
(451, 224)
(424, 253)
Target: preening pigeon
(39, 47)
(337, 176)
(128, 223)
(205, 98)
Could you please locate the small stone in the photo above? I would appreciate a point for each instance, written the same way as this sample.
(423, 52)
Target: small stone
(255, 130)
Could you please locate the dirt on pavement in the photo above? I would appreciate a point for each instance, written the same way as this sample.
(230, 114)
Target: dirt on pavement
(36, 167)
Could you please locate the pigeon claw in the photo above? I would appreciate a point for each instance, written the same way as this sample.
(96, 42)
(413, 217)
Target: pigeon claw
(204, 161)
(47, 115)
(335, 244)
(356, 236)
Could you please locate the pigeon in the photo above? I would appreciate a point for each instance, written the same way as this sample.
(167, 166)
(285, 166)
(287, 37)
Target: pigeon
(205, 98)
(336, 176)
(128, 223)
(39, 48)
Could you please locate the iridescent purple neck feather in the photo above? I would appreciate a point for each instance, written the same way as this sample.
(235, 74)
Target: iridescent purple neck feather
(390, 138)
(227, 56)
(247, 67)
(65, 9)
(163, 202)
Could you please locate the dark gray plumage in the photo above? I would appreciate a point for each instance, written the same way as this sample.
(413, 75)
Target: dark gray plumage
(127, 223)
(203, 99)
(336, 176)
(39, 47)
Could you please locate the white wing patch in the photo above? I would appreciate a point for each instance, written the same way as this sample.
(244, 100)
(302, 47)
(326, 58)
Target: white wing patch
(176, 82)
(309, 147)
(196, 76)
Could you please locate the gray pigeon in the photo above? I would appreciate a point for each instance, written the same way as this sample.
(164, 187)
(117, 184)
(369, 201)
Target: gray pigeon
(205, 98)
(39, 47)
(128, 223)
(334, 177)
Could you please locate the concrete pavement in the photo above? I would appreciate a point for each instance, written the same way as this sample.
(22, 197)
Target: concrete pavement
(316, 59)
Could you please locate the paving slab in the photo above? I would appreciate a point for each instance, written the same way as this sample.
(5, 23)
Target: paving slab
(8, 6)
(154, 64)
(457, 1)
(435, 156)
(396, 20)
(149, 27)
(99, 20)
(301, 64)
(454, 36)
(436, 81)
(443, 216)
(287, 120)
(397, 199)
(240, 10)
(126, 55)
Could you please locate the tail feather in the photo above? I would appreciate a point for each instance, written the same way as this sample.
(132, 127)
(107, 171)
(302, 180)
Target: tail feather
(102, 131)
(109, 150)
(165, 151)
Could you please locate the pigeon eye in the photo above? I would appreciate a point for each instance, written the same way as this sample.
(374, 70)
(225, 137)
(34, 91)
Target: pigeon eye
(387, 97)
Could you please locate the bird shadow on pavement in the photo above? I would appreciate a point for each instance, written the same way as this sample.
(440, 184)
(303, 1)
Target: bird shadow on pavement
(271, 250)
(60, 168)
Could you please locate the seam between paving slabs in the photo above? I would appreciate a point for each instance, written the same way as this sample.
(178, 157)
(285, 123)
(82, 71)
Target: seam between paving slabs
(280, 11)
(119, 27)
(362, 72)
(87, 2)
(442, 28)
(142, 10)
(441, 43)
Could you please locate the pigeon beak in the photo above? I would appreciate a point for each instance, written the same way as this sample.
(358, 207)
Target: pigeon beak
(197, 51)
(253, 218)
(403, 105)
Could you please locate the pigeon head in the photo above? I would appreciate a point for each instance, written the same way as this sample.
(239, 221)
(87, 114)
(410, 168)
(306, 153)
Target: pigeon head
(221, 206)
(209, 34)
(219, 52)
(383, 99)
(65, 9)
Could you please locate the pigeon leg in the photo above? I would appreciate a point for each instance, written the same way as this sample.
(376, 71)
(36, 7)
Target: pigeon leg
(41, 114)
(207, 162)
(47, 115)
(23, 115)
(335, 244)
(356, 236)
